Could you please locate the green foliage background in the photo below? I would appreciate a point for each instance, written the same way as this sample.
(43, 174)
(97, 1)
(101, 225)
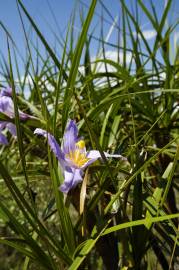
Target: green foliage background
(124, 214)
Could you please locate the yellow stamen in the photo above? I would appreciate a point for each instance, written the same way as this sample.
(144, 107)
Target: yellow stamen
(78, 158)
(80, 144)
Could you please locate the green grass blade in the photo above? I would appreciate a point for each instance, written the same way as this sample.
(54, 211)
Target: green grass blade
(140, 222)
(75, 65)
(43, 258)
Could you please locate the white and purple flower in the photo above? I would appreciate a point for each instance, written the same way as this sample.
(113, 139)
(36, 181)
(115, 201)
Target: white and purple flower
(7, 108)
(72, 156)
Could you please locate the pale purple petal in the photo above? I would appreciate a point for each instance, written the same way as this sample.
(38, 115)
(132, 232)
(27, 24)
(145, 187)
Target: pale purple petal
(2, 125)
(24, 116)
(6, 92)
(70, 137)
(7, 106)
(12, 128)
(3, 139)
(53, 144)
(72, 178)
(93, 155)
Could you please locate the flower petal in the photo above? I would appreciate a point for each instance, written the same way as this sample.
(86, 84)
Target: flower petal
(72, 178)
(52, 143)
(24, 116)
(2, 125)
(12, 128)
(70, 137)
(6, 92)
(7, 106)
(93, 155)
(3, 139)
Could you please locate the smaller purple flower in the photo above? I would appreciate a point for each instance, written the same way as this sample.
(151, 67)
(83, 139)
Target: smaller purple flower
(72, 155)
(7, 108)
(7, 105)
(12, 129)
(6, 92)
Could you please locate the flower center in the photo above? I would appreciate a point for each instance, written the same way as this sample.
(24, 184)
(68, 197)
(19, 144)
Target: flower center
(78, 156)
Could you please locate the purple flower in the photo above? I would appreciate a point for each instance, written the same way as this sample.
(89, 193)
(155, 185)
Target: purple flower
(6, 92)
(7, 108)
(72, 155)
(12, 129)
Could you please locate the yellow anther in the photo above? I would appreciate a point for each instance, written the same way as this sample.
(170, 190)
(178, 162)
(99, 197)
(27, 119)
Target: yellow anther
(80, 144)
(77, 158)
